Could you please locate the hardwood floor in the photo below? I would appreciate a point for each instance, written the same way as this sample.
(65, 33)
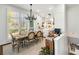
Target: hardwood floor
(30, 50)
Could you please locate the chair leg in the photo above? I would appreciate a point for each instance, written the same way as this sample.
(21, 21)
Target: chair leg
(12, 48)
(18, 48)
(22, 44)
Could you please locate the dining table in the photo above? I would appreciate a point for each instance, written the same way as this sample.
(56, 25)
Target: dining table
(20, 39)
(18, 35)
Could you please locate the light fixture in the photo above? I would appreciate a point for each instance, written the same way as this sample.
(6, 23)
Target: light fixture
(31, 17)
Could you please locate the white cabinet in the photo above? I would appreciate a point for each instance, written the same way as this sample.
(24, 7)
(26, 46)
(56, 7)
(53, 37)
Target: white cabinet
(61, 45)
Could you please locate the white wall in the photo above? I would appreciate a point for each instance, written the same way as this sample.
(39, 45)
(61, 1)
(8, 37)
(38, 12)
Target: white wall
(59, 14)
(72, 18)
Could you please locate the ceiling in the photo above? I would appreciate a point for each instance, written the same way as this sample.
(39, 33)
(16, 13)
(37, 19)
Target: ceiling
(42, 9)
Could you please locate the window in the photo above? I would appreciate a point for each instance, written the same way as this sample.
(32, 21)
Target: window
(24, 23)
(16, 21)
(12, 20)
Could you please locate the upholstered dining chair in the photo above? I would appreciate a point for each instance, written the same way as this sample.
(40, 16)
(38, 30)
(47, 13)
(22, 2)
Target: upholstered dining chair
(39, 35)
(31, 37)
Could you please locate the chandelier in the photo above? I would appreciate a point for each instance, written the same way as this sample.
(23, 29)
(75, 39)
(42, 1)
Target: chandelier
(31, 16)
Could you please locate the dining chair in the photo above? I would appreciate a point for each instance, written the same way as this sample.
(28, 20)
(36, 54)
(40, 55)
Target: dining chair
(31, 37)
(13, 42)
(16, 43)
(39, 35)
(51, 34)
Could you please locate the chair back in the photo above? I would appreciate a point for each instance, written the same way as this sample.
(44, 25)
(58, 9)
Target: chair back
(31, 35)
(13, 38)
(39, 34)
(51, 34)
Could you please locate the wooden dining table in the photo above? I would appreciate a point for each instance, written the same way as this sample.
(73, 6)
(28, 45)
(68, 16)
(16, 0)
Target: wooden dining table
(19, 36)
(23, 35)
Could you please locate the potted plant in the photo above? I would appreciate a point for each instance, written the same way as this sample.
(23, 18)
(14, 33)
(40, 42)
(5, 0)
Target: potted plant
(45, 51)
